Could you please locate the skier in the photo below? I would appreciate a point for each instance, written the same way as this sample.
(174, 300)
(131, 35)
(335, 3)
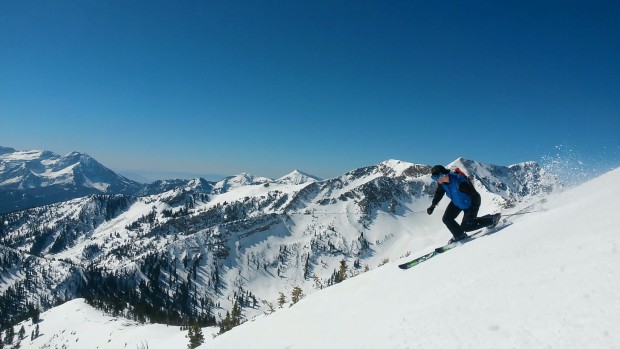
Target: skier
(464, 198)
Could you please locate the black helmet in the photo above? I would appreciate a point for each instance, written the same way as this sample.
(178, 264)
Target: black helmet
(438, 169)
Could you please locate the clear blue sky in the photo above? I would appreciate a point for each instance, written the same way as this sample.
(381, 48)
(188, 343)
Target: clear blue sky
(266, 87)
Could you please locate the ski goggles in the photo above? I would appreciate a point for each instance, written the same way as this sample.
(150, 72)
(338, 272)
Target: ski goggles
(436, 177)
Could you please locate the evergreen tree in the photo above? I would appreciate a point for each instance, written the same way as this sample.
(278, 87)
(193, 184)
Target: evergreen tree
(198, 336)
(225, 325)
(357, 264)
(307, 267)
(317, 282)
(342, 271)
(270, 307)
(236, 314)
(281, 300)
(195, 336)
(9, 335)
(35, 314)
(22, 333)
(232, 319)
(297, 295)
(190, 335)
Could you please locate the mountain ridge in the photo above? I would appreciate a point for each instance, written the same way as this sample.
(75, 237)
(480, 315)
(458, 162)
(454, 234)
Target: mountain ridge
(32, 178)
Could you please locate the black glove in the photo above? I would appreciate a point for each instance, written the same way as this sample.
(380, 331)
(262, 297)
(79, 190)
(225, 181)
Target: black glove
(430, 209)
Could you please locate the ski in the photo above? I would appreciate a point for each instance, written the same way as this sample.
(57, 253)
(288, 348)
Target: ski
(447, 247)
(412, 263)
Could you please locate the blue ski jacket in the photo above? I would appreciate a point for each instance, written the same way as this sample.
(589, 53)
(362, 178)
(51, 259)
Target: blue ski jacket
(459, 190)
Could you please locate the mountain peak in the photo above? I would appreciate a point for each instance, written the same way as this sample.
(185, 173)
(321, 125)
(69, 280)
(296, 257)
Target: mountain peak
(297, 177)
(399, 168)
(50, 177)
(6, 150)
(240, 180)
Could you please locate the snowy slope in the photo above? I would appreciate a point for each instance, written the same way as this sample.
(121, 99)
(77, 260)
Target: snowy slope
(75, 324)
(549, 280)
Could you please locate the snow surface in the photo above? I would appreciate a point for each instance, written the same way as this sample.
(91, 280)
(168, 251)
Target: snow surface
(549, 280)
(75, 324)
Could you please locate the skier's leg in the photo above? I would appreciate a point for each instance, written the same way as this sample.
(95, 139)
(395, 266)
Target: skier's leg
(472, 222)
(449, 219)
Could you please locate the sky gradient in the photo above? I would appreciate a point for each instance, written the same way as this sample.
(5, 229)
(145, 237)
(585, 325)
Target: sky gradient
(266, 87)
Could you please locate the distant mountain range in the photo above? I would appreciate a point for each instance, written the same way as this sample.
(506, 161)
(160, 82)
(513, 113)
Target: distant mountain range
(179, 250)
(35, 178)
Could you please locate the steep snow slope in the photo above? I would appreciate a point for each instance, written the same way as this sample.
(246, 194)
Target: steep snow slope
(548, 281)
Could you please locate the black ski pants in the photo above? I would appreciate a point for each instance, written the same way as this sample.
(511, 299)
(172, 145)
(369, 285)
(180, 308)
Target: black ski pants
(470, 221)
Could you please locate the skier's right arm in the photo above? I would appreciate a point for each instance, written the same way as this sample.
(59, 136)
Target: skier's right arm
(439, 193)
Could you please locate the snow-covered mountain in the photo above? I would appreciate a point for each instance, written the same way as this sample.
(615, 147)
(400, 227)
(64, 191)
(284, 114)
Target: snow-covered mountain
(35, 178)
(198, 185)
(297, 177)
(547, 281)
(234, 182)
(193, 252)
